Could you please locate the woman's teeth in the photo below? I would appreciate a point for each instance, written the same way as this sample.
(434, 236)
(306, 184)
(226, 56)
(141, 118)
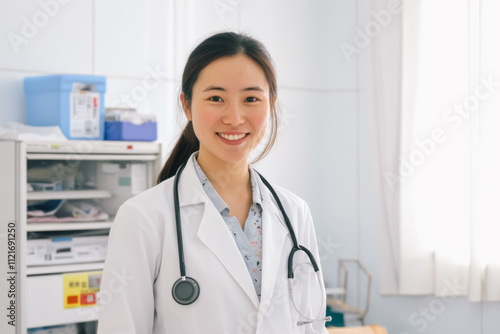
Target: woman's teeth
(232, 137)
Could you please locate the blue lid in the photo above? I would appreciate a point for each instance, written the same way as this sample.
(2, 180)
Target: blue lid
(62, 82)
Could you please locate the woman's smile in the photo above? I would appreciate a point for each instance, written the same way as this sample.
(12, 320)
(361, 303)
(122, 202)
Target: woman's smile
(232, 136)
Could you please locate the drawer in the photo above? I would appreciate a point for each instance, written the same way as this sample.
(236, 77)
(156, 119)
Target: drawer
(45, 303)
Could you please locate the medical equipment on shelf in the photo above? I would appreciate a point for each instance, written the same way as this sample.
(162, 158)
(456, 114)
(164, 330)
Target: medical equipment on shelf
(46, 185)
(58, 210)
(70, 328)
(73, 102)
(44, 208)
(186, 289)
(66, 249)
(128, 124)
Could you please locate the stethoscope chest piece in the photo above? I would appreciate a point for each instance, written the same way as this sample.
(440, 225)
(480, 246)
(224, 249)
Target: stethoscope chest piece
(185, 290)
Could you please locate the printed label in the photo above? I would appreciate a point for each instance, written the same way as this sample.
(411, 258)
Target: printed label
(84, 114)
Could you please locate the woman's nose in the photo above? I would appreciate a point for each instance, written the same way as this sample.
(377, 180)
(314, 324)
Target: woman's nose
(233, 115)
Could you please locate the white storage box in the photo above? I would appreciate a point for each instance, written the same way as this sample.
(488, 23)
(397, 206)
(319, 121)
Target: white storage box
(64, 250)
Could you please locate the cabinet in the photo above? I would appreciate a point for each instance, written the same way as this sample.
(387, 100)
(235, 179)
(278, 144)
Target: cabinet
(88, 179)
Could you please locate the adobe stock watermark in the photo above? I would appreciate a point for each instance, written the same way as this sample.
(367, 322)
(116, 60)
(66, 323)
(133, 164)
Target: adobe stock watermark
(372, 29)
(226, 6)
(31, 27)
(421, 319)
(453, 118)
(326, 247)
(139, 93)
(116, 284)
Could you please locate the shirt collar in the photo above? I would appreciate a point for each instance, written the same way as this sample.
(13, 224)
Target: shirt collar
(219, 203)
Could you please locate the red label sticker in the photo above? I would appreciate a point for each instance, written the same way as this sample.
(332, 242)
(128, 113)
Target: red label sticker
(72, 299)
(88, 298)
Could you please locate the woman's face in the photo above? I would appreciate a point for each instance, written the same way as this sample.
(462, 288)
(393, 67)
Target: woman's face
(229, 109)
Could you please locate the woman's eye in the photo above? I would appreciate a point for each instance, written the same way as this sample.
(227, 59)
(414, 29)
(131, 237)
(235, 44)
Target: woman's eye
(251, 99)
(216, 99)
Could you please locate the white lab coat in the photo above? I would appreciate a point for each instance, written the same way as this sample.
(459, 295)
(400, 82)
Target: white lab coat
(142, 265)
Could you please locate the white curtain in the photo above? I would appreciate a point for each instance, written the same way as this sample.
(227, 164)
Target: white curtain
(440, 154)
(383, 56)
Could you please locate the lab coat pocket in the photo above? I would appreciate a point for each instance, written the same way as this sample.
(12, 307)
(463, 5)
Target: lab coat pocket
(178, 319)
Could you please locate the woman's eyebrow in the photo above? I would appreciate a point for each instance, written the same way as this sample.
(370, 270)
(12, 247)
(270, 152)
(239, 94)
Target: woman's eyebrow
(253, 88)
(257, 88)
(213, 88)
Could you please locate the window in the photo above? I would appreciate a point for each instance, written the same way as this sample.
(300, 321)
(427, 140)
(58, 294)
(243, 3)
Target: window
(445, 179)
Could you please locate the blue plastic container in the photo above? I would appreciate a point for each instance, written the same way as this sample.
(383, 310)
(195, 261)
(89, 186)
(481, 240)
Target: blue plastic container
(119, 130)
(73, 102)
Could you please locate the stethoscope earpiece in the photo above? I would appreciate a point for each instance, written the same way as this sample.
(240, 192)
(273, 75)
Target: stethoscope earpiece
(185, 290)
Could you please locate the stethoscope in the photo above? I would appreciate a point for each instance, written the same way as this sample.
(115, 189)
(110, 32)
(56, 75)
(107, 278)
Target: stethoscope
(186, 289)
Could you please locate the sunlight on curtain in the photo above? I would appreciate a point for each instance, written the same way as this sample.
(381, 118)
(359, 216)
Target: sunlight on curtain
(449, 169)
(485, 219)
(434, 198)
(383, 93)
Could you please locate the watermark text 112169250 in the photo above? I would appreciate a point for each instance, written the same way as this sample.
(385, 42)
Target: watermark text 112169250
(11, 272)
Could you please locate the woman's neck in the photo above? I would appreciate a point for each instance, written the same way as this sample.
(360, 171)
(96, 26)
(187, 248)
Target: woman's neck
(225, 176)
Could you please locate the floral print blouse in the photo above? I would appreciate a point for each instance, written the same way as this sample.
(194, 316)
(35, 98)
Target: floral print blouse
(249, 240)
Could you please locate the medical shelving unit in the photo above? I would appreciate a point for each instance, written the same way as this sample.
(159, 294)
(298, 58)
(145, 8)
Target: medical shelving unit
(31, 297)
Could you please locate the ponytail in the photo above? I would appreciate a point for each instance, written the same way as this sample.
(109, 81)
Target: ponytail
(186, 145)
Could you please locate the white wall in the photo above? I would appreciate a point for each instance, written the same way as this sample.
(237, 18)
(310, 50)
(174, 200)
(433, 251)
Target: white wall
(325, 151)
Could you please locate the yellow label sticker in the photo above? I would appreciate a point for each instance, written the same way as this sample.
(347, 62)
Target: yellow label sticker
(80, 289)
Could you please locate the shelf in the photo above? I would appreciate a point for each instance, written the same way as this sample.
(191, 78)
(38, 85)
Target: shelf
(68, 194)
(64, 268)
(93, 157)
(74, 148)
(39, 294)
(38, 227)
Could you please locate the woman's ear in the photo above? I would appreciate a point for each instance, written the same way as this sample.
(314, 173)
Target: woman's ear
(185, 107)
(273, 102)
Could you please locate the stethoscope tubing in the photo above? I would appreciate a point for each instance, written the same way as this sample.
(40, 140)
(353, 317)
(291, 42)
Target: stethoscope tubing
(296, 247)
(180, 246)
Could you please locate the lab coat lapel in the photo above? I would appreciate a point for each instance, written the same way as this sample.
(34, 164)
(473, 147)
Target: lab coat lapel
(274, 233)
(214, 233)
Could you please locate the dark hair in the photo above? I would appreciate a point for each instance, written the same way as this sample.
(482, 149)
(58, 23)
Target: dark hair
(220, 45)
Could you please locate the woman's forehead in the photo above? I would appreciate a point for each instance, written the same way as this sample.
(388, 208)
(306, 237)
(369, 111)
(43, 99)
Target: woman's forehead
(232, 73)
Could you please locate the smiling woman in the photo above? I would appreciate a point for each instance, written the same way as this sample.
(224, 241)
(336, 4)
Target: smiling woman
(214, 247)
